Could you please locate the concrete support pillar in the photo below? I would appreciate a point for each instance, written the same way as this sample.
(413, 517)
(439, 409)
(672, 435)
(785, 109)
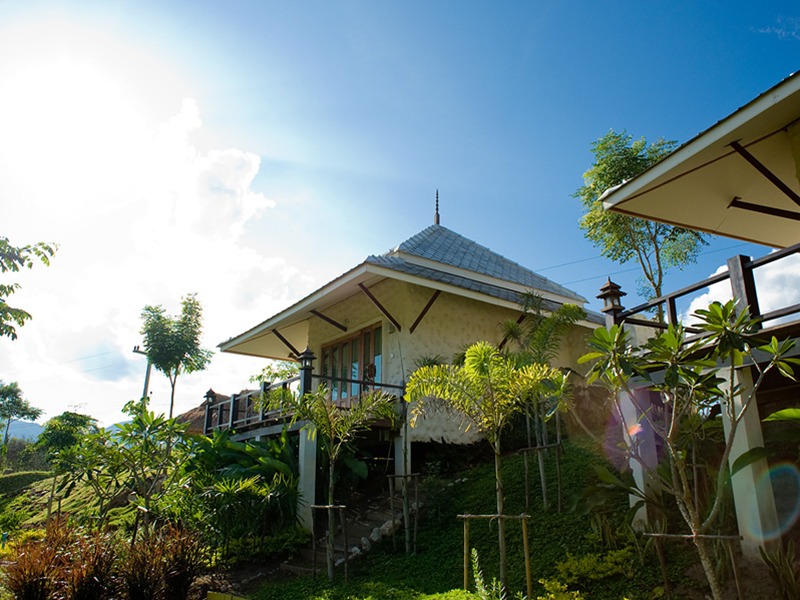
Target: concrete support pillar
(308, 475)
(641, 440)
(752, 489)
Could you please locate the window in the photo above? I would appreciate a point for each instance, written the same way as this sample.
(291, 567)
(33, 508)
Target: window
(356, 357)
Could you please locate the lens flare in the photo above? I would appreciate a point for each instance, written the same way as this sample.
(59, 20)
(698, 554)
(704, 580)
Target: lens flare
(784, 478)
(635, 430)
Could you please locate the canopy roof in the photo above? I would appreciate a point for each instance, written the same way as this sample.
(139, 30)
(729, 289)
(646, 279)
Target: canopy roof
(739, 178)
(436, 258)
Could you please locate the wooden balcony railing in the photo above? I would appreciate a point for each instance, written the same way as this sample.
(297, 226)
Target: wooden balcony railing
(742, 280)
(247, 412)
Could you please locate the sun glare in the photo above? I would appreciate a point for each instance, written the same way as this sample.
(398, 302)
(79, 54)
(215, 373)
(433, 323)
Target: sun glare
(76, 107)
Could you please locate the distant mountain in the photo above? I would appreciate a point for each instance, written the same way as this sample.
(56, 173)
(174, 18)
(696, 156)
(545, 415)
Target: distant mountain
(25, 430)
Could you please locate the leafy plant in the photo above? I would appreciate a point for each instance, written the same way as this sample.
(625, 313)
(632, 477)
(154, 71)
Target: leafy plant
(686, 374)
(336, 424)
(783, 571)
(487, 391)
(142, 570)
(184, 557)
(12, 259)
(557, 591)
(595, 566)
(89, 567)
(494, 591)
(34, 574)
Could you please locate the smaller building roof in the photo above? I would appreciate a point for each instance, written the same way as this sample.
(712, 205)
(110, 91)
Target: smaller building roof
(739, 178)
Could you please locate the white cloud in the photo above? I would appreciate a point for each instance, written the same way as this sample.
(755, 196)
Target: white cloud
(777, 286)
(141, 216)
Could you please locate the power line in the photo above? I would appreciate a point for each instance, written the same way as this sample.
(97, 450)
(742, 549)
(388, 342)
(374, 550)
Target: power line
(590, 258)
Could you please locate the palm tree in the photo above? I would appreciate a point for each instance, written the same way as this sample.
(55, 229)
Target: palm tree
(537, 340)
(336, 424)
(487, 390)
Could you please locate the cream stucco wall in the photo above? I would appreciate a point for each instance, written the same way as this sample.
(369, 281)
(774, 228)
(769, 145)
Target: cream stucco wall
(452, 323)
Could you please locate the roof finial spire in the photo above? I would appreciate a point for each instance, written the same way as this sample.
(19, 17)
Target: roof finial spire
(436, 214)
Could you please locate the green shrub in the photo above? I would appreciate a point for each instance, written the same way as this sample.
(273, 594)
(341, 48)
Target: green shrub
(557, 591)
(590, 567)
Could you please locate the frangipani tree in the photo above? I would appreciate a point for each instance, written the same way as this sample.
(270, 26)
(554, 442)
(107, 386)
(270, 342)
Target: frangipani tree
(487, 391)
(693, 376)
(336, 424)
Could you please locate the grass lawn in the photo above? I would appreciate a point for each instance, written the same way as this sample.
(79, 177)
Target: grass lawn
(437, 568)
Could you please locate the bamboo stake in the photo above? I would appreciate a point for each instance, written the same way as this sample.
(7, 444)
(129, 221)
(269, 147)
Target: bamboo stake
(346, 548)
(466, 554)
(313, 546)
(416, 511)
(391, 509)
(528, 578)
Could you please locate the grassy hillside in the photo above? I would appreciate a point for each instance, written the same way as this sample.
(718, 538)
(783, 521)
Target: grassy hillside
(438, 565)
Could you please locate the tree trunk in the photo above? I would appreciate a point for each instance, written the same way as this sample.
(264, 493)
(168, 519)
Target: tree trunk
(525, 456)
(540, 454)
(331, 525)
(707, 561)
(501, 526)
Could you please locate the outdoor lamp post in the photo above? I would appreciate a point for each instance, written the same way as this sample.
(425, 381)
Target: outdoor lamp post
(306, 360)
(611, 294)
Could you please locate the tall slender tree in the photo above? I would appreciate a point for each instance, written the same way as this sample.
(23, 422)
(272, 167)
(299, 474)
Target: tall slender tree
(487, 390)
(173, 343)
(654, 246)
(536, 340)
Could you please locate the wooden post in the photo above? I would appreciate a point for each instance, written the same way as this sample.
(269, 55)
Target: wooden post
(466, 554)
(313, 548)
(735, 563)
(743, 285)
(232, 416)
(416, 511)
(346, 549)
(391, 509)
(526, 546)
(558, 463)
(662, 561)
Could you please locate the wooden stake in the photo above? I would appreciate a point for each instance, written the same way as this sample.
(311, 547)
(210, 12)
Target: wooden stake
(466, 555)
(528, 578)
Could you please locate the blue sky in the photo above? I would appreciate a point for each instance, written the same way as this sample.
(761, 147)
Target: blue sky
(252, 151)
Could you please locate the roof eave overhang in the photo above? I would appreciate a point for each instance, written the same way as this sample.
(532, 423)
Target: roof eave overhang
(332, 293)
(754, 123)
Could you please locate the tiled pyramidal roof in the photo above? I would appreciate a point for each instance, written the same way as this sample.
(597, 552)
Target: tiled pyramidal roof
(439, 244)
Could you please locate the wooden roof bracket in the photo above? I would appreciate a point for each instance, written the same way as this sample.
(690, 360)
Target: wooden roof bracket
(425, 310)
(285, 342)
(380, 307)
(766, 210)
(761, 168)
(328, 319)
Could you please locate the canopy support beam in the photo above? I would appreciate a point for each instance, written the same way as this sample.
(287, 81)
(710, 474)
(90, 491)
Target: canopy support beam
(328, 319)
(766, 210)
(761, 168)
(425, 310)
(379, 306)
(286, 342)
